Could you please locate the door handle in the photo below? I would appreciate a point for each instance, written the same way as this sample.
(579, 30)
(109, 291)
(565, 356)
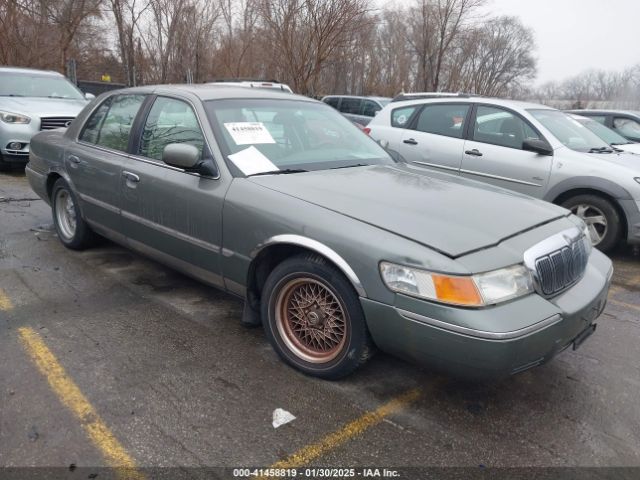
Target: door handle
(74, 159)
(131, 177)
(475, 152)
(410, 141)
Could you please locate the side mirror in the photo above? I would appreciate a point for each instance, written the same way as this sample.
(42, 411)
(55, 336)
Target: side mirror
(541, 147)
(89, 96)
(183, 155)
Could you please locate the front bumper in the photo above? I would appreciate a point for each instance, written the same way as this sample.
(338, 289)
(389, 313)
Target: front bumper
(451, 339)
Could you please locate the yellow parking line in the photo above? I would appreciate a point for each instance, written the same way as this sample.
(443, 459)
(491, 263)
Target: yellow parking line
(71, 396)
(5, 301)
(309, 453)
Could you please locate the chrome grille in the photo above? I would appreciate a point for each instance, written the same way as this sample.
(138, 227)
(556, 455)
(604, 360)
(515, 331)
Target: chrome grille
(562, 268)
(49, 123)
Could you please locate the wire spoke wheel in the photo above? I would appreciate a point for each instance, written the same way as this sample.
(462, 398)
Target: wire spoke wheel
(311, 319)
(65, 214)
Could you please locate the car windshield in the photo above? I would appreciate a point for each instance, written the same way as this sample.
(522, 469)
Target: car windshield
(36, 85)
(605, 133)
(570, 132)
(268, 135)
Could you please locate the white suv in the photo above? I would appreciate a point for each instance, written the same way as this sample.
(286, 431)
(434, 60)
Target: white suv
(530, 148)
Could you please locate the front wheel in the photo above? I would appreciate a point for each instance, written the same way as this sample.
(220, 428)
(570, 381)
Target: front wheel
(602, 219)
(313, 318)
(72, 230)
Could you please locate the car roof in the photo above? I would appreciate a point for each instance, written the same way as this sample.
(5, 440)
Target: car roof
(218, 91)
(31, 71)
(372, 97)
(500, 102)
(600, 111)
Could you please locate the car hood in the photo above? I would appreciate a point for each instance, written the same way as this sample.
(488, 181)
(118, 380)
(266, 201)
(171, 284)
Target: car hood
(447, 213)
(625, 159)
(43, 107)
(630, 148)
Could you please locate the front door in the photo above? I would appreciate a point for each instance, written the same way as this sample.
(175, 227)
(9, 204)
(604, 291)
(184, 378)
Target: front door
(494, 154)
(169, 212)
(95, 161)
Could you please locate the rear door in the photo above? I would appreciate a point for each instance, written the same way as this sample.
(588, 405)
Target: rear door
(169, 212)
(95, 160)
(435, 137)
(494, 154)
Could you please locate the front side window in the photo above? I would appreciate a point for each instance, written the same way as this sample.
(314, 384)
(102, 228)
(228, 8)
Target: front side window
(350, 105)
(400, 116)
(116, 126)
(500, 127)
(627, 127)
(570, 132)
(265, 134)
(447, 120)
(169, 121)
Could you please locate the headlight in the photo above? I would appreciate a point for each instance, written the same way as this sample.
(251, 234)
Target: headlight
(587, 236)
(464, 290)
(8, 117)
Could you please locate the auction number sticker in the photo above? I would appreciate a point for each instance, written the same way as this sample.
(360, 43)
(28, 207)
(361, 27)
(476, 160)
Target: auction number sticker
(249, 133)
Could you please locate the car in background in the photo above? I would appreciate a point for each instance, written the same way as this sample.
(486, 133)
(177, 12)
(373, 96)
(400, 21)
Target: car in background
(624, 122)
(264, 84)
(529, 148)
(357, 109)
(32, 101)
(424, 95)
(334, 246)
(611, 137)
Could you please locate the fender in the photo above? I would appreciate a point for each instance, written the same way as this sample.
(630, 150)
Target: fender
(320, 248)
(595, 183)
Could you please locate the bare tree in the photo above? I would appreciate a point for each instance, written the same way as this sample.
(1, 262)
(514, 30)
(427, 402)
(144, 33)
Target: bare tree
(306, 34)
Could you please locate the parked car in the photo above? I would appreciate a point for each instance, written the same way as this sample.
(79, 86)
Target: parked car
(610, 136)
(31, 101)
(264, 84)
(624, 122)
(357, 109)
(525, 147)
(335, 247)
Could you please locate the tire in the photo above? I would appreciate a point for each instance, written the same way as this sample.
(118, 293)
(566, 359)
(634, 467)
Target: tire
(593, 209)
(337, 340)
(72, 230)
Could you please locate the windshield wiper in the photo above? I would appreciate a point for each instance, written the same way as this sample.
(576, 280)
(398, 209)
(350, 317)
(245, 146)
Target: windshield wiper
(625, 143)
(11, 95)
(279, 172)
(350, 166)
(600, 150)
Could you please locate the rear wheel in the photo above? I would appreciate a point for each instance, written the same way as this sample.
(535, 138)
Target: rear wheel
(313, 318)
(72, 230)
(601, 217)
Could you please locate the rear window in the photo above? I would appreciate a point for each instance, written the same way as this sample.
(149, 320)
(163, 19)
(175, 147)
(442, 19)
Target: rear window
(332, 101)
(400, 116)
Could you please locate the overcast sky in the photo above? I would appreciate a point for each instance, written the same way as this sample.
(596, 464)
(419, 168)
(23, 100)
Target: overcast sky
(575, 35)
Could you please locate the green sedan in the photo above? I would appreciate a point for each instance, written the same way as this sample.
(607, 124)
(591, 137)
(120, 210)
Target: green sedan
(336, 248)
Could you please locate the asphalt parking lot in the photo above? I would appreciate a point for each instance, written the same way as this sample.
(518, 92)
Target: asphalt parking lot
(108, 357)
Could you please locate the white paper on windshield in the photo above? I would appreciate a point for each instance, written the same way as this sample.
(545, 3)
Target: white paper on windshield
(249, 133)
(250, 161)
